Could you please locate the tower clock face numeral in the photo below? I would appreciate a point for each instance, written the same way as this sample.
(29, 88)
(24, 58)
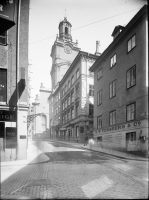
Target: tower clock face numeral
(67, 49)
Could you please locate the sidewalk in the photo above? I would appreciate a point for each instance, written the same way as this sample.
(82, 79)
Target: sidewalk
(95, 148)
(34, 156)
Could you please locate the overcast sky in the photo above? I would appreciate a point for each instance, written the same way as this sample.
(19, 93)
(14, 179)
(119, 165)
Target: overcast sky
(91, 20)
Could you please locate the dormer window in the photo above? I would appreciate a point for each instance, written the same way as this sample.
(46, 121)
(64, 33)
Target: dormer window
(66, 30)
(117, 31)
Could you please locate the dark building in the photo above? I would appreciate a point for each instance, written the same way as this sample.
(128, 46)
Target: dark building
(121, 88)
(13, 79)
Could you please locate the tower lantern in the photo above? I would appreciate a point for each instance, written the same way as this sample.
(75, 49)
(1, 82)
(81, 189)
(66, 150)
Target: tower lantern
(65, 30)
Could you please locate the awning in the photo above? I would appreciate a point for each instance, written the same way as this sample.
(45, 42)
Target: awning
(5, 24)
(7, 16)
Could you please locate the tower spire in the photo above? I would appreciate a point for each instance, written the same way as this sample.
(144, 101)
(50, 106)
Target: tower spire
(65, 15)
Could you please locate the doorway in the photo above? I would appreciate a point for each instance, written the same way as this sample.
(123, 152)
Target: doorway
(131, 141)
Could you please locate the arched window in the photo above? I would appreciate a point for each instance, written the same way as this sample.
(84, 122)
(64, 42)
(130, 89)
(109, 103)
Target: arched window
(66, 30)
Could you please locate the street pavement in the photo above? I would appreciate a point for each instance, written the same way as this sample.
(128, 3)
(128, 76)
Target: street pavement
(126, 155)
(60, 170)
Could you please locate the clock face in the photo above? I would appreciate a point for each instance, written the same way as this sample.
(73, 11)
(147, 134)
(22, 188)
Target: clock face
(67, 49)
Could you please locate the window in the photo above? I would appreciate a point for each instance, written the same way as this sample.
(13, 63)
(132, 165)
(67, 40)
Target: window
(65, 88)
(72, 113)
(99, 74)
(77, 110)
(113, 60)
(131, 77)
(99, 98)
(65, 103)
(91, 90)
(131, 136)
(63, 120)
(63, 92)
(72, 97)
(99, 122)
(77, 91)
(63, 106)
(131, 43)
(113, 89)
(68, 101)
(91, 109)
(59, 95)
(131, 112)
(3, 85)
(68, 84)
(112, 117)
(3, 38)
(66, 30)
(72, 80)
(68, 115)
(77, 74)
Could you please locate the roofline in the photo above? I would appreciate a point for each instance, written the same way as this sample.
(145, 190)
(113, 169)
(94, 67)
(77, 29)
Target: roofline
(123, 32)
(75, 61)
(45, 90)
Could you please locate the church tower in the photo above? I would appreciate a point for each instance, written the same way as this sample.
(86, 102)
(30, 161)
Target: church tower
(63, 52)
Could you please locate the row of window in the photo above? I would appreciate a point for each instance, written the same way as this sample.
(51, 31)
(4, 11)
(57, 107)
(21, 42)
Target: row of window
(130, 82)
(130, 115)
(70, 98)
(69, 115)
(130, 45)
(67, 102)
(67, 86)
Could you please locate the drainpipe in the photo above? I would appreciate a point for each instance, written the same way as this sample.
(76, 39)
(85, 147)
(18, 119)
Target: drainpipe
(17, 72)
(86, 93)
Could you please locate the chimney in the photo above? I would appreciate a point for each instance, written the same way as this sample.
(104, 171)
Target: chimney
(97, 48)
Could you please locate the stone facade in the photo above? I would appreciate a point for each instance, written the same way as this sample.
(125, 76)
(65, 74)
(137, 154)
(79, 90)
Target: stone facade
(40, 124)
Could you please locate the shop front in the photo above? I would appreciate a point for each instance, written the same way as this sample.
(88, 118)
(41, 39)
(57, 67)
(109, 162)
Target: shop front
(126, 137)
(13, 137)
(8, 134)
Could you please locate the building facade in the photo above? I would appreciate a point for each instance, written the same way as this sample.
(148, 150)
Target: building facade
(71, 100)
(14, 80)
(121, 88)
(63, 52)
(40, 112)
(77, 99)
(71, 104)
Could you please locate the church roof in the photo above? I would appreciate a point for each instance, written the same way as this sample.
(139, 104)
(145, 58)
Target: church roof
(64, 21)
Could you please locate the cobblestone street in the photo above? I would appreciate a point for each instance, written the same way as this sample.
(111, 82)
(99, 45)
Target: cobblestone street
(80, 178)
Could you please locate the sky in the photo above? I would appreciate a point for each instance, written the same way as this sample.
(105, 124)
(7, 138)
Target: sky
(91, 20)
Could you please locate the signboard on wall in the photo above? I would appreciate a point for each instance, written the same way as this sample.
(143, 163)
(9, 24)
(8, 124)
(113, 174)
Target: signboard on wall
(8, 116)
(11, 138)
